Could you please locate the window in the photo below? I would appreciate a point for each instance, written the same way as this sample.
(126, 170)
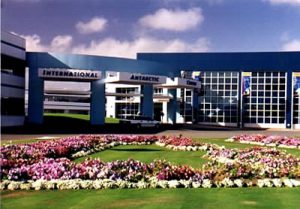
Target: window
(186, 105)
(220, 97)
(296, 118)
(124, 110)
(267, 99)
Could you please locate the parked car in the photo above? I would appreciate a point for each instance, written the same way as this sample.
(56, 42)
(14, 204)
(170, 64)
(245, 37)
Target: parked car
(140, 121)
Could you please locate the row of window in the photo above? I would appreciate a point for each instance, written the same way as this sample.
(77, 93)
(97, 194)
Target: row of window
(67, 99)
(130, 90)
(296, 109)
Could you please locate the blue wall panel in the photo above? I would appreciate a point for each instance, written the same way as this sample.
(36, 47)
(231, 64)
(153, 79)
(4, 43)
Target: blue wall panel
(227, 61)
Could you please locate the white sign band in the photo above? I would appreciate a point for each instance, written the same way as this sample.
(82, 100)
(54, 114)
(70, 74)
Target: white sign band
(133, 78)
(64, 73)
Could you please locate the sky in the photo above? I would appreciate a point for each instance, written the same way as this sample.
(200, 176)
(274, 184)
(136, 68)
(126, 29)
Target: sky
(122, 28)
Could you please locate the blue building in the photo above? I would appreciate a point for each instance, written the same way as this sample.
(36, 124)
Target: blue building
(259, 89)
(238, 89)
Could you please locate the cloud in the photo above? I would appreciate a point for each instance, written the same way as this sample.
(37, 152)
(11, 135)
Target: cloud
(290, 2)
(34, 43)
(96, 24)
(114, 47)
(173, 20)
(293, 45)
(60, 43)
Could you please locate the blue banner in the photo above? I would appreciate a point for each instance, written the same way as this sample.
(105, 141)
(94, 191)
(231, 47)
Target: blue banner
(246, 85)
(297, 85)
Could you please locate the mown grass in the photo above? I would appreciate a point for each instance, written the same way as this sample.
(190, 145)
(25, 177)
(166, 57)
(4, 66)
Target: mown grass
(225, 198)
(148, 153)
(79, 116)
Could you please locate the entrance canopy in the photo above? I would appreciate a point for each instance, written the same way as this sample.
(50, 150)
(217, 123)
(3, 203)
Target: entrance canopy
(181, 83)
(133, 78)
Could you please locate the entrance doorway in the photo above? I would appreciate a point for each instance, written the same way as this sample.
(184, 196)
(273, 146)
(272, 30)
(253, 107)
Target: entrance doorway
(158, 109)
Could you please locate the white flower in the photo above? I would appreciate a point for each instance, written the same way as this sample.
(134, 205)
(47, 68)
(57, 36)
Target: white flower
(97, 184)
(50, 184)
(295, 182)
(268, 183)
(153, 182)
(142, 185)
(189, 148)
(249, 183)
(196, 184)
(185, 183)
(25, 186)
(131, 185)
(287, 182)
(38, 184)
(203, 148)
(238, 182)
(14, 185)
(260, 183)
(277, 182)
(121, 184)
(227, 182)
(173, 184)
(206, 183)
(162, 184)
(68, 184)
(108, 184)
(4, 184)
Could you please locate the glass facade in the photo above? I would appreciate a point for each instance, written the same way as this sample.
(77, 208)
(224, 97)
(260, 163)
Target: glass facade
(265, 103)
(125, 90)
(126, 109)
(186, 108)
(296, 109)
(219, 97)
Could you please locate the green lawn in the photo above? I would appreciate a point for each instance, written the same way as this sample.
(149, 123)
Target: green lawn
(148, 153)
(79, 116)
(225, 198)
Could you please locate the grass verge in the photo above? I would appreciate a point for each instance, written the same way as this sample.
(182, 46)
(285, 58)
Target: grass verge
(79, 116)
(225, 198)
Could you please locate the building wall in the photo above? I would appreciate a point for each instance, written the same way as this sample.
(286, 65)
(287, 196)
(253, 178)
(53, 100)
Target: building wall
(271, 81)
(12, 79)
(222, 100)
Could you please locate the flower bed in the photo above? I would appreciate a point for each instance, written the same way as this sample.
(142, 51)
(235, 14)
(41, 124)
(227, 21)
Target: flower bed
(48, 165)
(182, 144)
(258, 162)
(275, 141)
